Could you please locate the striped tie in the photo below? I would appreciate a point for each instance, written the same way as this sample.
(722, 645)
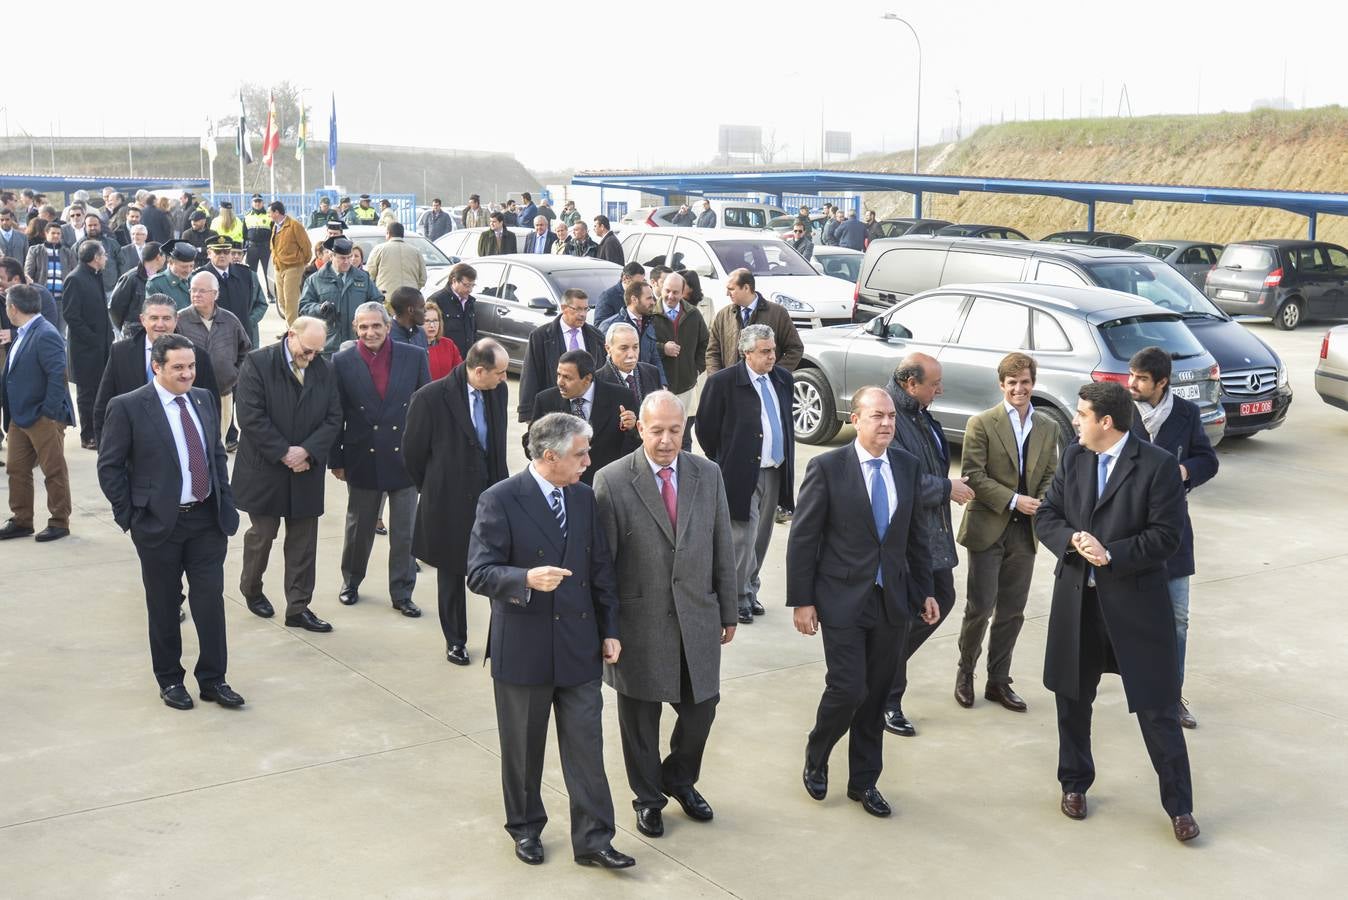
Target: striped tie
(558, 510)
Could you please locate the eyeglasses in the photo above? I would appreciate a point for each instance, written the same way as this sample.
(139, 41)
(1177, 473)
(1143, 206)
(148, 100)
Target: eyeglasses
(202, 292)
(579, 308)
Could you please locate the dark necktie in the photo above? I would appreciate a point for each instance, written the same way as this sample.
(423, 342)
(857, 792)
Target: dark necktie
(480, 419)
(558, 510)
(744, 317)
(879, 506)
(632, 386)
(578, 407)
(667, 495)
(196, 453)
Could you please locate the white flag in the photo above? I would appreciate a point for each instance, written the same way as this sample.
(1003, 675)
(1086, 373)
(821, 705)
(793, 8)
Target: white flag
(208, 139)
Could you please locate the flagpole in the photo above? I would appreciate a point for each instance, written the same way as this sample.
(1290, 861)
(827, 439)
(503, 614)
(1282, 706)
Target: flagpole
(304, 136)
(239, 139)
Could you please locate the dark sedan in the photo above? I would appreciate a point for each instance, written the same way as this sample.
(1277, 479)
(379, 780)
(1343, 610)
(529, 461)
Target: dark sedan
(1193, 259)
(1111, 239)
(991, 232)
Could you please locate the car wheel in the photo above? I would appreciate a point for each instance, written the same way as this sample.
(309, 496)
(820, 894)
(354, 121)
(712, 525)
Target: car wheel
(814, 417)
(1288, 315)
(1066, 433)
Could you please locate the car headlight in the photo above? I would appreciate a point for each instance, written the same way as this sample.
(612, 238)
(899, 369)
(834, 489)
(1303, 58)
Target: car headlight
(792, 304)
(1282, 374)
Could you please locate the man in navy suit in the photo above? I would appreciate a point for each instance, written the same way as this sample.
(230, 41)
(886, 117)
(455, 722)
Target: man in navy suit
(542, 239)
(1173, 424)
(162, 467)
(744, 425)
(859, 566)
(36, 411)
(376, 379)
(538, 550)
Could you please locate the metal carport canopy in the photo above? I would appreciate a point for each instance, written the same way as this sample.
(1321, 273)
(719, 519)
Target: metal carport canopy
(67, 183)
(808, 181)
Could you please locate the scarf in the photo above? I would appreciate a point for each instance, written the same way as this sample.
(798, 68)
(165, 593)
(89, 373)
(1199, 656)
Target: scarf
(1153, 417)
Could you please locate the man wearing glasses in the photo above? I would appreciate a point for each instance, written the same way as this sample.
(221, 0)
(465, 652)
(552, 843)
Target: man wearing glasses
(549, 341)
(73, 231)
(801, 241)
(289, 415)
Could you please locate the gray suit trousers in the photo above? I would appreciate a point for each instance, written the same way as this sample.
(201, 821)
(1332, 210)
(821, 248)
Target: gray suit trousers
(751, 537)
(362, 509)
(301, 552)
(522, 713)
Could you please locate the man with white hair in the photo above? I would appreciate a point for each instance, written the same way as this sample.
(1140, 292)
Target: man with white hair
(623, 367)
(376, 379)
(220, 333)
(130, 252)
(744, 425)
(681, 333)
(289, 415)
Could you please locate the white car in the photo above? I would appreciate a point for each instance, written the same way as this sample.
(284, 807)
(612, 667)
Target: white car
(840, 262)
(461, 243)
(780, 273)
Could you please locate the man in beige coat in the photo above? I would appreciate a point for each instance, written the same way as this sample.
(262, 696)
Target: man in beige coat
(290, 252)
(748, 307)
(668, 526)
(1010, 454)
(396, 263)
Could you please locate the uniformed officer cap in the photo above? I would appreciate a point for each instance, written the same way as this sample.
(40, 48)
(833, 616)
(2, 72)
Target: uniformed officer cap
(345, 200)
(197, 216)
(338, 245)
(365, 196)
(235, 245)
(336, 223)
(257, 196)
(222, 244)
(180, 250)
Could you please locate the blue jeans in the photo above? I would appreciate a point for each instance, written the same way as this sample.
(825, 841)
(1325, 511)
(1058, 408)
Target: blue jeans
(1179, 601)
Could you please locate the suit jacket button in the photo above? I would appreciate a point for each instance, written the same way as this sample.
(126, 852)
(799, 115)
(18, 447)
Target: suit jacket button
(557, 618)
(540, 552)
(376, 428)
(583, 615)
(583, 583)
(371, 449)
(396, 449)
(395, 427)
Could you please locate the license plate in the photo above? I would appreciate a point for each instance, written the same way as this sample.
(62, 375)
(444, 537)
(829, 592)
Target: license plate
(1256, 408)
(1186, 391)
(1230, 295)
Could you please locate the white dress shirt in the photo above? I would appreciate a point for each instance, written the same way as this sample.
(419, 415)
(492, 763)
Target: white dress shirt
(167, 402)
(655, 471)
(864, 458)
(765, 457)
(1022, 434)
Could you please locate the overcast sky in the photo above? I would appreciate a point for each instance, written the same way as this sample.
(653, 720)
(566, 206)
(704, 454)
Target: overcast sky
(638, 84)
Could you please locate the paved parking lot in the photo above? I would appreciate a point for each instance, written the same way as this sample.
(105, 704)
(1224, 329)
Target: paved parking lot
(364, 765)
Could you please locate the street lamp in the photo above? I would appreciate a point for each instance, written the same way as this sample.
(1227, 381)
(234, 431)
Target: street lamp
(917, 123)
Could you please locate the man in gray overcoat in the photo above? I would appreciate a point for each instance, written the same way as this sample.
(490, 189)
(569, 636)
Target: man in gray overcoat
(289, 415)
(668, 526)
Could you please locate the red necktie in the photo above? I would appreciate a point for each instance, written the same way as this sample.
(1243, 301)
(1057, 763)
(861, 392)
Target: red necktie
(196, 453)
(667, 494)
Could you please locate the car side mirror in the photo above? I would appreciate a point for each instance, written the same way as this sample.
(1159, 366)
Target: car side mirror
(544, 304)
(877, 326)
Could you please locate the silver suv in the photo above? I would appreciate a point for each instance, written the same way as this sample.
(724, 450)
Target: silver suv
(1076, 334)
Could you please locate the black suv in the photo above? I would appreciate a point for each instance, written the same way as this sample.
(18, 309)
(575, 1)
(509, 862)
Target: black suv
(1287, 281)
(1255, 391)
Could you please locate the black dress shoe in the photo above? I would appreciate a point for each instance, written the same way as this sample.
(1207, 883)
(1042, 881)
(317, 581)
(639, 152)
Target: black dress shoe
(816, 781)
(51, 533)
(872, 801)
(458, 655)
(964, 689)
(231, 446)
(309, 622)
(529, 850)
(11, 531)
(380, 528)
(261, 606)
(407, 608)
(348, 595)
(896, 723)
(88, 444)
(182, 614)
(223, 694)
(1002, 693)
(1186, 718)
(756, 608)
(746, 616)
(650, 822)
(176, 696)
(608, 858)
(695, 806)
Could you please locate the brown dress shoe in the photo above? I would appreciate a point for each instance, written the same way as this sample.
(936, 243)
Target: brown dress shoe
(1186, 829)
(1186, 718)
(1002, 693)
(1074, 805)
(964, 689)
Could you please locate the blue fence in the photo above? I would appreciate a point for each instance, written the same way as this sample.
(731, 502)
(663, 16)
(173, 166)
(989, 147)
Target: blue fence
(301, 205)
(793, 202)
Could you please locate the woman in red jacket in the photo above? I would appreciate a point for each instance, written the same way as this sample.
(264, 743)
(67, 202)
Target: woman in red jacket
(445, 356)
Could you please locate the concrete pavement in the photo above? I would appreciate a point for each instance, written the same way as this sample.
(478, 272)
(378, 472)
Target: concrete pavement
(364, 765)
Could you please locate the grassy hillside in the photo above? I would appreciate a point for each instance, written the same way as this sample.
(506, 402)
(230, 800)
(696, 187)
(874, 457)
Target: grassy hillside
(360, 167)
(1286, 150)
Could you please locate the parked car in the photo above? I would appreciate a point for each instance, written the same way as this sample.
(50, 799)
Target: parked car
(781, 274)
(839, 262)
(1076, 334)
(461, 243)
(1255, 391)
(651, 216)
(741, 213)
(900, 227)
(367, 237)
(1289, 281)
(1331, 372)
(1092, 238)
(1193, 259)
(784, 225)
(991, 232)
(517, 292)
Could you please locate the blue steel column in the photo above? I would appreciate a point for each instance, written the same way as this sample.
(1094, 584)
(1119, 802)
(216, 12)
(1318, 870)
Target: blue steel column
(1310, 233)
(1090, 215)
(917, 204)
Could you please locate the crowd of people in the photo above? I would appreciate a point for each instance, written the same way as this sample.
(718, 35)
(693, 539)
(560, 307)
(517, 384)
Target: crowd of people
(617, 554)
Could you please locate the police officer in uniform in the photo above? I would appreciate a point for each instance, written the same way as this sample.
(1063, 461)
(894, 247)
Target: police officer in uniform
(240, 292)
(334, 291)
(364, 213)
(173, 278)
(257, 227)
(235, 231)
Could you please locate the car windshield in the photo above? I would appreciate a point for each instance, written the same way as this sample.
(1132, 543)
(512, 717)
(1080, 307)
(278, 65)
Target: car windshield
(772, 257)
(1257, 259)
(1124, 337)
(846, 266)
(431, 255)
(592, 281)
(1157, 282)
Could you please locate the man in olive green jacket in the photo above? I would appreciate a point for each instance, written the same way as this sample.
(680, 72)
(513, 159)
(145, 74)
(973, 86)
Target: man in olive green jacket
(1010, 454)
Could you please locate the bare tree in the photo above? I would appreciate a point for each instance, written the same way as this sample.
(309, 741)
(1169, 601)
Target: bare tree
(770, 148)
